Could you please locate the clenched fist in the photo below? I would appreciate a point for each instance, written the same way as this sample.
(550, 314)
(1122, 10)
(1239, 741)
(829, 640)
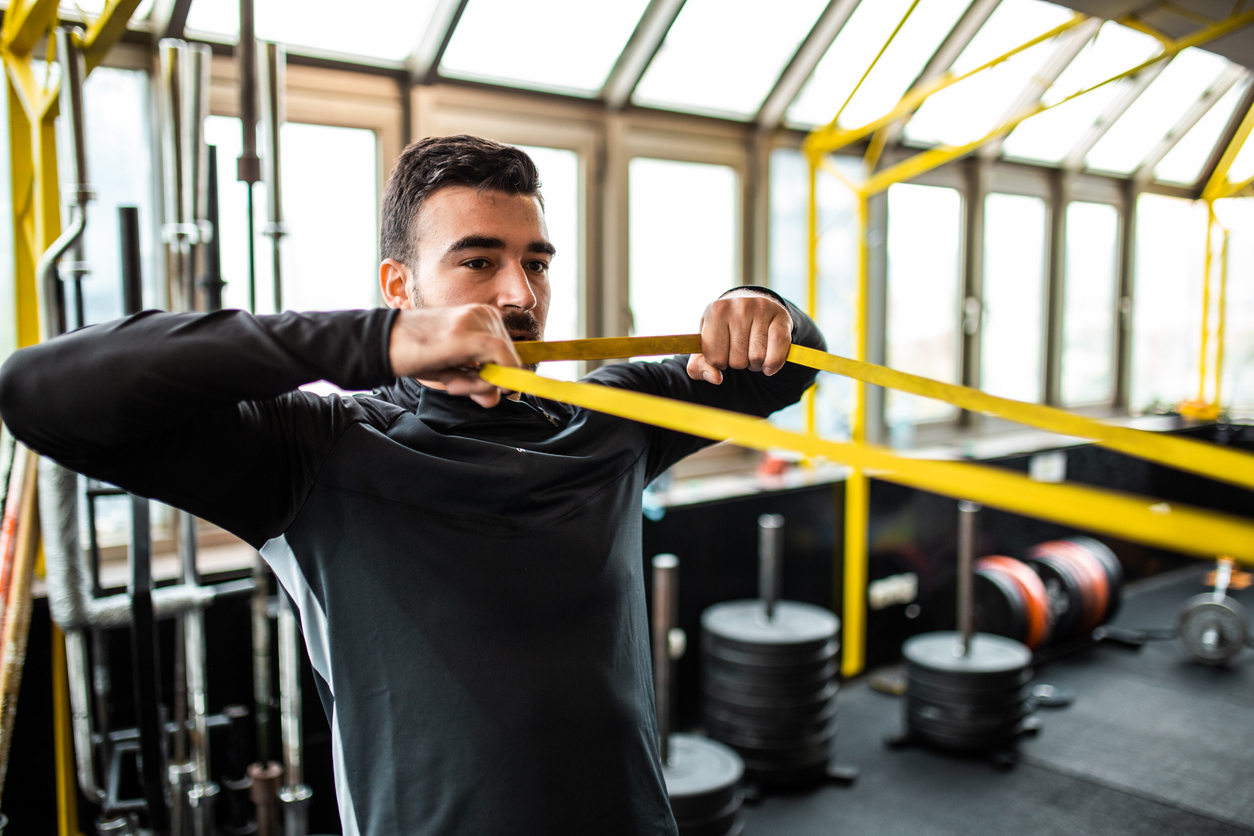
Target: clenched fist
(742, 330)
(447, 345)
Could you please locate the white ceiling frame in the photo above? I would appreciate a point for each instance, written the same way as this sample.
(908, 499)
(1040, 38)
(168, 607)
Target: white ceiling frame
(801, 67)
(1069, 46)
(1074, 161)
(1227, 79)
(643, 44)
(423, 63)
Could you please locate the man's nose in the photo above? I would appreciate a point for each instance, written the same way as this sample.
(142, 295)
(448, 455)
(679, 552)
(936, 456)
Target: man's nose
(514, 288)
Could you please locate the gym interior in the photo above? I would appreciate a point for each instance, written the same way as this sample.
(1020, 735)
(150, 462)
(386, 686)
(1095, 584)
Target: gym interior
(989, 575)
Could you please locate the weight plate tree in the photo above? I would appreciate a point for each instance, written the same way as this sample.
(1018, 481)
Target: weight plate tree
(966, 691)
(769, 675)
(702, 776)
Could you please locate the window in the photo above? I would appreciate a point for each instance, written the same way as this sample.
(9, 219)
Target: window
(838, 260)
(323, 25)
(683, 246)
(330, 254)
(1183, 163)
(568, 46)
(856, 46)
(119, 168)
(723, 56)
(559, 176)
(1088, 348)
(1167, 302)
(1014, 296)
(924, 246)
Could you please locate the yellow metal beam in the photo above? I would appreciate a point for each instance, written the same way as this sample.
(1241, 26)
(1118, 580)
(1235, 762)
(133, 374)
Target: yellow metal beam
(25, 22)
(106, 30)
(1218, 185)
(892, 36)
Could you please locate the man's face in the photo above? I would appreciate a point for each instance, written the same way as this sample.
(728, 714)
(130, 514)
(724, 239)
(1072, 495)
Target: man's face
(484, 247)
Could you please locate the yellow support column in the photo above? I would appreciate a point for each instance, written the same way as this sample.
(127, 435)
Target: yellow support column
(857, 487)
(812, 275)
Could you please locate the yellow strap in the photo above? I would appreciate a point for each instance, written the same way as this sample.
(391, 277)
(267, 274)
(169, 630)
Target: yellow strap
(1176, 527)
(1221, 463)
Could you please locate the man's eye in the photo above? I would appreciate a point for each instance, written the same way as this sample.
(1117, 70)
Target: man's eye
(538, 267)
(477, 263)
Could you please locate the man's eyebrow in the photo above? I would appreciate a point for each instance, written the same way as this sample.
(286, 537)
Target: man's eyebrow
(477, 242)
(542, 247)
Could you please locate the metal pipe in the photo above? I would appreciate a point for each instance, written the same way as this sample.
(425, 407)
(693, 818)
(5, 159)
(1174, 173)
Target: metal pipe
(132, 271)
(294, 794)
(966, 554)
(248, 166)
(273, 83)
(80, 712)
(770, 561)
(211, 282)
(665, 616)
(172, 56)
(261, 656)
(144, 668)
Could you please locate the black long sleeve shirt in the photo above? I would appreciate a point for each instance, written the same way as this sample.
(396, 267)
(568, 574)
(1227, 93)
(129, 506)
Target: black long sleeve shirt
(469, 581)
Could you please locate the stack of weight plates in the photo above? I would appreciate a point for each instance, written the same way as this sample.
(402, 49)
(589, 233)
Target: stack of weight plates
(701, 778)
(769, 686)
(976, 702)
(1084, 581)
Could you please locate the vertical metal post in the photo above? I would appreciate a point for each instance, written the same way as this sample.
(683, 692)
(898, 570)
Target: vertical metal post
(1206, 281)
(248, 166)
(966, 560)
(294, 794)
(273, 78)
(770, 561)
(812, 273)
(1221, 316)
(1127, 286)
(211, 283)
(857, 487)
(665, 617)
(1056, 277)
(973, 277)
(144, 668)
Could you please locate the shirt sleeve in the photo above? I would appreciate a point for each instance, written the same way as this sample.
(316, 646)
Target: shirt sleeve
(742, 390)
(200, 411)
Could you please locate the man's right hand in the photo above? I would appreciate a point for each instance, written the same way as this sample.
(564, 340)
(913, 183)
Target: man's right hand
(447, 345)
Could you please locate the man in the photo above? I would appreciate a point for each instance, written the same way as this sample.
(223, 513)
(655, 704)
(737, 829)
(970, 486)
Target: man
(467, 570)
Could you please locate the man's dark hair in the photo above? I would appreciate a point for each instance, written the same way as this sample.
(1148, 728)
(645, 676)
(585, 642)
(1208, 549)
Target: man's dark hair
(433, 163)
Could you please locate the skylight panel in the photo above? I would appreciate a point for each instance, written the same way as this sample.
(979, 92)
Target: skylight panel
(1183, 163)
(724, 56)
(1152, 115)
(857, 45)
(971, 108)
(1048, 136)
(566, 46)
(385, 31)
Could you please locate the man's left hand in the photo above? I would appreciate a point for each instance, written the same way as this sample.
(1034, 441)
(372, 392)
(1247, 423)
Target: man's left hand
(742, 330)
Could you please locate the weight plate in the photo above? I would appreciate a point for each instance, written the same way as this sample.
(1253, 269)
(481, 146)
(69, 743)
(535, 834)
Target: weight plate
(793, 623)
(968, 683)
(1063, 587)
(716, 824)
(973, 721)
(998, 606)
(1212, 631)
(964, 742)
(775, 724)
(941, 695)
(775, 684)
(1039, 616)
(796, 769)
(701, 775)
(1112, 566)
(759, 704)
(794, 758)
(988, 656)
(769, 658)
(758, 745)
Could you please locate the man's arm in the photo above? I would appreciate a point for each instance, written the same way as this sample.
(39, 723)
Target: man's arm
(745, 336)
(199, 410)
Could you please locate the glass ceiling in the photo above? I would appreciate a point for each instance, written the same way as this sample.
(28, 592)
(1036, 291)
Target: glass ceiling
(724, 58)
(559, 45)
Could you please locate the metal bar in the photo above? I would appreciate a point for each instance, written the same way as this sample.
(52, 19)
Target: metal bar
(874, 61)
(812, 271)
(1074, 161)
(1068, 48)
(973, 277)
(1221, 318)
(424, 63)
(826, 138)
(1229, 77)
(770, 561)
(211, 283)
(665, 618)
(966, 581)
(294, 794)
(1230, 130)
(1056, 285)
(261, 657)
(1206, 282)
(273, 62)
(976, 15)
(1130, 190)
(106, 29)
(1215, 186)
(25, 22)
(804, 61)
(645, 40)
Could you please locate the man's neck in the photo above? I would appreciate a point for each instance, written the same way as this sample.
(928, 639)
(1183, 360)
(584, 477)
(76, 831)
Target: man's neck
(513, 396)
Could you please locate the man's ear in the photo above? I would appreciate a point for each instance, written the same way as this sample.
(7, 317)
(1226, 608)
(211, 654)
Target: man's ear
(394, 281)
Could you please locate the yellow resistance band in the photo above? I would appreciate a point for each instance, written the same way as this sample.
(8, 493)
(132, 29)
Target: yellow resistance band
(1172, 526)
(1221, 463)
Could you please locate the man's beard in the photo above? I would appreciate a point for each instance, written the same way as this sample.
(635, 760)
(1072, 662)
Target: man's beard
(526, 327)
